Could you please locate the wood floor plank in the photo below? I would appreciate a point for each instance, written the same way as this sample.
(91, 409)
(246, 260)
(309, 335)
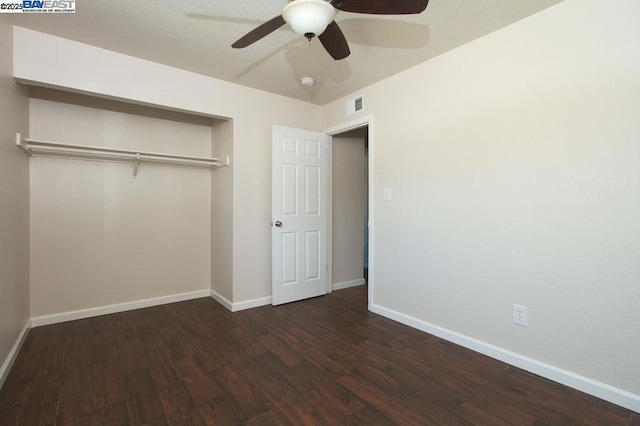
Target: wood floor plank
(162, 367)
(371, 417)
(69, 414)
(281, 350)
(290, 407)
(124, 327)
(265, 419)
(278, 331)
(24, 369)
(38, 414)
(323, 410)
(169, 333)
(242, 394)
(143, 400)
(200, 383)
(206, 358)
(76, 398)
(192, 418)
(390, 404)
(108, 387)
(225, 352)
(177, 401)
(319, 359)
(268, 364)
(52, 358)
(219, 411)
(326, 360)
(14, 393)
(251, 323)
(112, 415)
(104, 347)
(335, 396)
(81, 337)
(473, 414)
(41, 406)
(132, 356)
(102, 324)
(10, 415)
(590, 412)
(246, 341)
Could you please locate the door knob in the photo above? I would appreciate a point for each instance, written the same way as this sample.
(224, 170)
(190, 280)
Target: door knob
(278, 223)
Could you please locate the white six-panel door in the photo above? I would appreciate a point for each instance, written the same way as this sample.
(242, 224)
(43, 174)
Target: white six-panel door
(298, 214)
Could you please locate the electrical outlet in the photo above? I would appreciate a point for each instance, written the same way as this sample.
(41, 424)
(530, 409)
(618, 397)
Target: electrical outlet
(520, 315)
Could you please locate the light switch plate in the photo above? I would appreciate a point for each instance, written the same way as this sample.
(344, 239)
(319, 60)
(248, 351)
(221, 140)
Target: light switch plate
(387, 194)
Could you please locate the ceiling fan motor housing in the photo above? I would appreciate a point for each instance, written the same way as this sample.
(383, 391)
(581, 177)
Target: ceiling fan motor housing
(309, 18)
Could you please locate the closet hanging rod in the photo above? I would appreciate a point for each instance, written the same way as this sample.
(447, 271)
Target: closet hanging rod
(58, 149)
(29, 145)
(121, 155)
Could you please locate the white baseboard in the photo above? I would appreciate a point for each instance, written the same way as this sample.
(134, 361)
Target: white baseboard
(11, 357)
(249, 304)
(240, 306)
(264, 301)
(348, 284)
(600, 390)
(221, 300)
(111, 309)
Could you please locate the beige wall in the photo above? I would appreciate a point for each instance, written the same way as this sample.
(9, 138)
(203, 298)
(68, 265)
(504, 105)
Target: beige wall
(46, 60)
(514, 165)
(348, 208)
(14, 203)
(222, 212)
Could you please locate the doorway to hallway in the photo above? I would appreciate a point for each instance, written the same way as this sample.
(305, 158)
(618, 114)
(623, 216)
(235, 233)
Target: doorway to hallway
(350, 212)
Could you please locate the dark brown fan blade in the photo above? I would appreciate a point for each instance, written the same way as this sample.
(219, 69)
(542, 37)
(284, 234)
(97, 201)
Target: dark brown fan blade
(259, 32)
(333, 40)
(381, 7)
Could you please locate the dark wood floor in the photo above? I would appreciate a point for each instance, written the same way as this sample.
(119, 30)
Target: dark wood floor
(322, 361)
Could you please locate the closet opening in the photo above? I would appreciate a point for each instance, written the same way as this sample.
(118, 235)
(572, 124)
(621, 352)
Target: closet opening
(108, 236)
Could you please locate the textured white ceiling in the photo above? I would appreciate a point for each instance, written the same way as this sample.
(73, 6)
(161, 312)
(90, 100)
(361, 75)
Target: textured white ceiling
(196, 35)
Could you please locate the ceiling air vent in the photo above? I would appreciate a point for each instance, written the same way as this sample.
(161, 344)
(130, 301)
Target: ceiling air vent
(355, 105)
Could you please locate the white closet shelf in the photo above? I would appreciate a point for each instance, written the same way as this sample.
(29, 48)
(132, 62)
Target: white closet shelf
(35, 147)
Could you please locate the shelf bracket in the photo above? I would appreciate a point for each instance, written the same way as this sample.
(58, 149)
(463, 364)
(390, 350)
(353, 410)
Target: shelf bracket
(21, 144)
(219, 164)
(136, 163)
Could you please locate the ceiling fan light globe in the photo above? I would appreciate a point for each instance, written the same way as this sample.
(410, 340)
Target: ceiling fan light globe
(309, 16)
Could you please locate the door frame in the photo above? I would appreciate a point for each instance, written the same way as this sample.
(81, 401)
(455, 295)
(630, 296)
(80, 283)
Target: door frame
(365, 121)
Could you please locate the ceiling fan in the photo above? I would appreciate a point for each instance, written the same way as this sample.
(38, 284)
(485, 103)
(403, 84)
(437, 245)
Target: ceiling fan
(311, 18)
